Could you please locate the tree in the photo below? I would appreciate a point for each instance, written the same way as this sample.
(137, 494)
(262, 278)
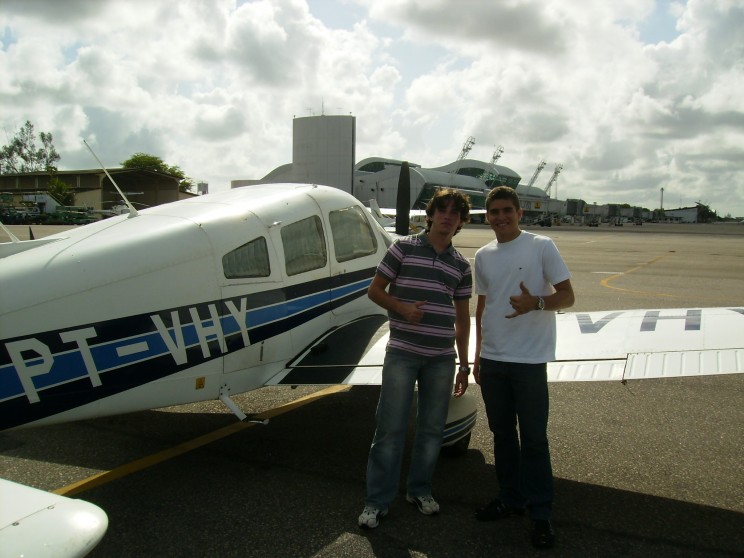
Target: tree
(154, 163)
(706, 214)
(22, 154)
(60, 191)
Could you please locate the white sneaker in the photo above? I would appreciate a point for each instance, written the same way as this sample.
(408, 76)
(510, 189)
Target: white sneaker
(425, 504)
(371, 517)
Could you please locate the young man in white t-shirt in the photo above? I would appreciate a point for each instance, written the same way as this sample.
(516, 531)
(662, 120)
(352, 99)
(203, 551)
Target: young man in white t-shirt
(520, 280)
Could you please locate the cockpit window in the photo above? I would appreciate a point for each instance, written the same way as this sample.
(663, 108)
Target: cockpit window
(304, 245)
(352, 235)
(249, 260)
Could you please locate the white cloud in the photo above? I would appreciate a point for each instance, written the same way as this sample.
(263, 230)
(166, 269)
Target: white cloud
(212, 86)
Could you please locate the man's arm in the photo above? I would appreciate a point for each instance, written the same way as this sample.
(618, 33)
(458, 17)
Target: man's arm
(563, 297)
(462, 341)
(378, 294)
(479, 306)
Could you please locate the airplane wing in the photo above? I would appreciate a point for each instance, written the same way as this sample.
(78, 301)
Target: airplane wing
(386, 216)
(416, 215)
(10, 248)
(641, 344)
(351, 354)
(16, 246)
(384, 220)
(592, 346)
(38, 523)
(391, 212)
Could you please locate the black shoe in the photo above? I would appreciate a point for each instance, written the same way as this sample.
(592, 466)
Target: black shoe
(541, 534)
(496, 510)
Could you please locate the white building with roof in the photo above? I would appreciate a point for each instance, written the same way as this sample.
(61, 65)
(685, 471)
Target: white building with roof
(323, 152)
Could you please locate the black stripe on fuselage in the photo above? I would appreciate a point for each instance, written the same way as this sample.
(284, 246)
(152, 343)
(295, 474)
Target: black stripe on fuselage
(77, 392)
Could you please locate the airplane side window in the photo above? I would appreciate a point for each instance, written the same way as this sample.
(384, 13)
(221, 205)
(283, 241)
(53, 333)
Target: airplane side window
(352, 235)
(249, 260)
(304, 245)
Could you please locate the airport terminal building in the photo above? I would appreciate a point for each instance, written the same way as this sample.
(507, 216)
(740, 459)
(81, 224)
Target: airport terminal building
(324, 149)
(323, 152)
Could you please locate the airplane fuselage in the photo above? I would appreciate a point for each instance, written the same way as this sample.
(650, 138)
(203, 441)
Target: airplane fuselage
(180, 303)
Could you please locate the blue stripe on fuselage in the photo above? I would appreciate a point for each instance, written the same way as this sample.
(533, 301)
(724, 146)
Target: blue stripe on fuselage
(145, 353)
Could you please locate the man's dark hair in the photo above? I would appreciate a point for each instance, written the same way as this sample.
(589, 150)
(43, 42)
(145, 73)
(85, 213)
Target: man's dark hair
(503, 193)
(441, 199)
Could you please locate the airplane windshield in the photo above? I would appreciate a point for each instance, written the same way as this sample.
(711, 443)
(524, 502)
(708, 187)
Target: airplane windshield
(304, 245)
(352, 235)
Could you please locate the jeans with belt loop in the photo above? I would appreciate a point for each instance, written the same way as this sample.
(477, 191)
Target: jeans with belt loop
(400, 373)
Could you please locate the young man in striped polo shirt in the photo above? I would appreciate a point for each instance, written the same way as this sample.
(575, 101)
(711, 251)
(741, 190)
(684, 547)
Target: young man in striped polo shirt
(425, 285)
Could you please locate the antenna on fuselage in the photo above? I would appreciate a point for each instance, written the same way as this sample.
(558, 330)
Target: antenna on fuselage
(132, 211)
(11, 236)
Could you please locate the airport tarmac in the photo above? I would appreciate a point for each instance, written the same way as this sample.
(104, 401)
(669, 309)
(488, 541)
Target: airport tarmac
(652, 468)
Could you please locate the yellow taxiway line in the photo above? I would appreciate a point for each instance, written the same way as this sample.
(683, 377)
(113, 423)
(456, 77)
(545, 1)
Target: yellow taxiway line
(606, 281)
(146, 462)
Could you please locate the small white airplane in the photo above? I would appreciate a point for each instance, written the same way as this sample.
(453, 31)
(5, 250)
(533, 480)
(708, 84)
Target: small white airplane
(191, 301)
(387, 217)
(213, 296)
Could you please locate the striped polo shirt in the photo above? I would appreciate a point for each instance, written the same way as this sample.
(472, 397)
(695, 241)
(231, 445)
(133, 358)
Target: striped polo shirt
(416, 272)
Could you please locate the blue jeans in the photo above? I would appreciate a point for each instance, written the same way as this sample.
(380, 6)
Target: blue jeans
(516, 395)
(435, 384)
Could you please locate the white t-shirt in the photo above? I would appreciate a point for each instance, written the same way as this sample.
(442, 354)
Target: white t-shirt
(499, 268)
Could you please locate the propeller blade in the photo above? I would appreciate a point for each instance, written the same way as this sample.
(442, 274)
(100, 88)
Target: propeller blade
(403, 201)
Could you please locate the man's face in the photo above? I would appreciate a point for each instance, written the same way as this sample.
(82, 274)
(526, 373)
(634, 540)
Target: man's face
(446, 220)
(504, 218)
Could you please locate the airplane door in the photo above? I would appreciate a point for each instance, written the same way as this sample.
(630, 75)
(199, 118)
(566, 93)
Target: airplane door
(251, 283)
(299, 235)
(355, 253)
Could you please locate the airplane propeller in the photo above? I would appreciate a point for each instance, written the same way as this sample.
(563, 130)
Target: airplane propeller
(403, 201)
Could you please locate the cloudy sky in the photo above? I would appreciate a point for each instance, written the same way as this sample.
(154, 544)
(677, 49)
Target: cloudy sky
(630, 96)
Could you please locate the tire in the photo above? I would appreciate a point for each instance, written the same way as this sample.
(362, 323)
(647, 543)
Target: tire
(459, 448)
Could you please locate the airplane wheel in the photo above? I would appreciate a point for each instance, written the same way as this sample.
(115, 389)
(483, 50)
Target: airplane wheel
(459, 448)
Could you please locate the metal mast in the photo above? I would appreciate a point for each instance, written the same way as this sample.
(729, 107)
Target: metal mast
(469, 143)
(553, 180)
(465, 150)
(540, 166)
(497, 154)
